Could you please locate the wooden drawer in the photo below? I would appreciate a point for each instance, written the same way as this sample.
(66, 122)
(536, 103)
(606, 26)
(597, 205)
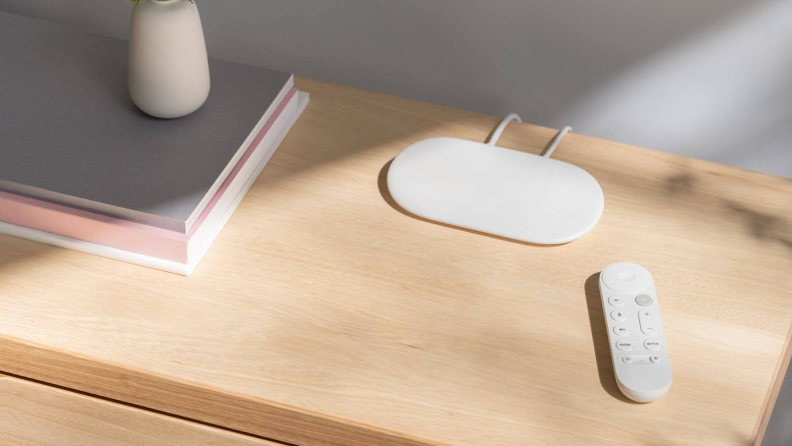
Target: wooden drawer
(37, 414)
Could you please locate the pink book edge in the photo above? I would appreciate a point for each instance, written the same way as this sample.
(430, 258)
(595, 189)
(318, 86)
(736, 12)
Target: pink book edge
(118, 233)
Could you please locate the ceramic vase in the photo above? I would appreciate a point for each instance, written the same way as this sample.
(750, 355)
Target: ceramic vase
(168, 65)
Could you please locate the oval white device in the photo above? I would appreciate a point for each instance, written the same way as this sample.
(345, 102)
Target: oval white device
(494, 190)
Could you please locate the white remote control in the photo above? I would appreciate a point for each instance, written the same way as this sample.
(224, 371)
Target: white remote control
(635, 333)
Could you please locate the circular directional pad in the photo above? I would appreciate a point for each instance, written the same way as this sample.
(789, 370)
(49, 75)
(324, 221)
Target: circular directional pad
(626, 277)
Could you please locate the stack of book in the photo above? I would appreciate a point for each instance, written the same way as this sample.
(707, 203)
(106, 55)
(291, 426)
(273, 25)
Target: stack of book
(81, 167)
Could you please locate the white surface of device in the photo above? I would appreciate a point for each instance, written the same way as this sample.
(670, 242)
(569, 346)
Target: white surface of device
(635, 332)
(495, 190)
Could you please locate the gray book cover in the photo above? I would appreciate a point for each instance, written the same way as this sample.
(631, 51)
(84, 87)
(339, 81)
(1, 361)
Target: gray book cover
(70, 134)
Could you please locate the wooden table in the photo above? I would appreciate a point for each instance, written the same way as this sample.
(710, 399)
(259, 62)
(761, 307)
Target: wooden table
(325, 315)
(38, 414)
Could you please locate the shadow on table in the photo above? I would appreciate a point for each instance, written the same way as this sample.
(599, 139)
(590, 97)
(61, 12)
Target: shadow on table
(599, 337)
(18, 251)
(761, 225)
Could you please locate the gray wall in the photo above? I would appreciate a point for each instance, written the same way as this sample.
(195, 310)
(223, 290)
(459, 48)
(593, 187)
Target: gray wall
(779, 430)
(710, 78)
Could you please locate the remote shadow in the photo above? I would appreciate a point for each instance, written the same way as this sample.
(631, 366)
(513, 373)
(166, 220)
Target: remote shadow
(599, 337)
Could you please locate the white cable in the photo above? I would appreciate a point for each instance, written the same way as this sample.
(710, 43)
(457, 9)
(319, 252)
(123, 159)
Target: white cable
(515, 117)
(502, 126)
(556, 141)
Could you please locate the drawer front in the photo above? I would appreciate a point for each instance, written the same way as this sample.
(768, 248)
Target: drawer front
(37, 414)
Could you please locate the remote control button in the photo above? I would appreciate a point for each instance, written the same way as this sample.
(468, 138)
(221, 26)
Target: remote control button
(638, 359)
(626, 277)
(648, 321)
(619, 315)
(644, 300)
(627, 360)
(621, 330)
(624, 345)
(655, 359)
(616, 301)
(652, 344)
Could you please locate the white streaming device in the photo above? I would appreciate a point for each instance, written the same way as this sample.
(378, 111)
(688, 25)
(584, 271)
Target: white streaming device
(494, 190)
(635, 332)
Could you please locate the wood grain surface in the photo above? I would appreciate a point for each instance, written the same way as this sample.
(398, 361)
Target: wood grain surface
(323, 314)
(36, 414)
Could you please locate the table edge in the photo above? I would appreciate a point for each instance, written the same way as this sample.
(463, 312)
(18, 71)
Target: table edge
(187, 399)
(775, 388)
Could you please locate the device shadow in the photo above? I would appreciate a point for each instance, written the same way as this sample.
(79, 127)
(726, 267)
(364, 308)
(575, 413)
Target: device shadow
(599, 338)
(382, 185)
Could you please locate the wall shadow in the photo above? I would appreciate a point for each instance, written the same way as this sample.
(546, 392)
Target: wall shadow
(599, 339)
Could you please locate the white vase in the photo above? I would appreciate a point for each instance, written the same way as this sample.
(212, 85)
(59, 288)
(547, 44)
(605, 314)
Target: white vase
(168, 66)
